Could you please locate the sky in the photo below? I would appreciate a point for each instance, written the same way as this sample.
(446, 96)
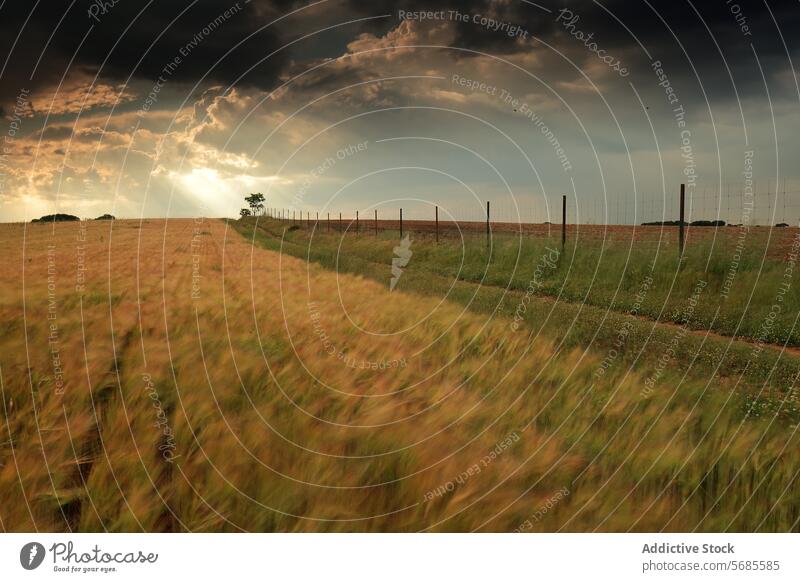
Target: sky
(181, 108)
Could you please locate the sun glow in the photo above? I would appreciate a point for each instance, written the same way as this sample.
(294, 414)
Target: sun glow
(219, 194)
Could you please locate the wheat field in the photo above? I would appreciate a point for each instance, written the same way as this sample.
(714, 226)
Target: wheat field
(167, 375)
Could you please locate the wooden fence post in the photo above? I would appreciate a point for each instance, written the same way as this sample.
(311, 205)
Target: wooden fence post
(376, 223)
(488, 229)
(401, 223)
(437, 224)
(563, 222)
(681, 235)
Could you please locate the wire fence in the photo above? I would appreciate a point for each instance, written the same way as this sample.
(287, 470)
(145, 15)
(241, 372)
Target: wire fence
(642, 219)
(731, 204)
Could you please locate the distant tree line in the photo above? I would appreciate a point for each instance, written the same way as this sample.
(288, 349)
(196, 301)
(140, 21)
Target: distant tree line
(68, 218)
(678, 223)
(699, 223)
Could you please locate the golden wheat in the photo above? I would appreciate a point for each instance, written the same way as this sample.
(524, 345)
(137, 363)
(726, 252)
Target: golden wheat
(212, 386)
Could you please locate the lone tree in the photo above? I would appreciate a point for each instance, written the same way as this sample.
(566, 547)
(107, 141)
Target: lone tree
(256, 202)
(244, 212)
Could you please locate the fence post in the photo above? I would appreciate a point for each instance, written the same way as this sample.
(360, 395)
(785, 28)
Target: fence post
(376, 223)
(329, 222)
(356, 222)
(488, 230)
(401, 223)
(437, 224)
(681, 235)
(340, 222)
(563, 222)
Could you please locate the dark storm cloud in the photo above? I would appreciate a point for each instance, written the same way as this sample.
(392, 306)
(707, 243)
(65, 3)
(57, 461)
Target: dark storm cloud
(698, 42)
(616, 22)
(709, 36)
(155, 33)
(85, 32)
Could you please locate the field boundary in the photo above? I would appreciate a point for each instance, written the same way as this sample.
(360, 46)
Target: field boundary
(789, 350)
